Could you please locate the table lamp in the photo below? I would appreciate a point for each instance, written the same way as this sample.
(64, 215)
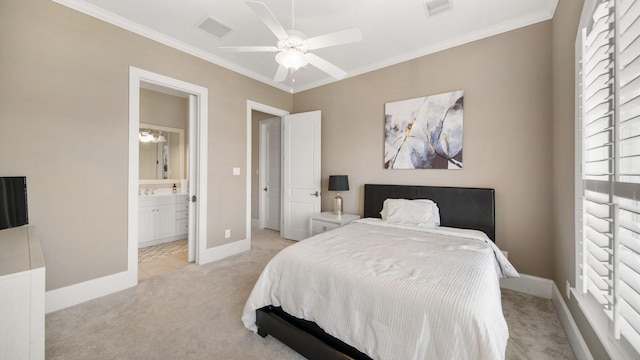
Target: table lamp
(338, 183)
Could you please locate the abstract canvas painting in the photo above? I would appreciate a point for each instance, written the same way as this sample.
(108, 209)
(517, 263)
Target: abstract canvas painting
(424, 133)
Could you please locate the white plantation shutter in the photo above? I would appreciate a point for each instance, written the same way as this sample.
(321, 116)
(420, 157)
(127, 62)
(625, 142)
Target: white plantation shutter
(609, 127)
(628, 177)
(597, 155)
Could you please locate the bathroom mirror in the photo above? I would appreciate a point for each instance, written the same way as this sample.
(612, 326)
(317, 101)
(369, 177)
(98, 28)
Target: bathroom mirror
(161, 153)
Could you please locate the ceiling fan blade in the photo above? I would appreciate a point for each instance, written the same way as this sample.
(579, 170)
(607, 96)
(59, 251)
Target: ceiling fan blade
(334, 38)
(249, 48)
(281, 74)
(268, 19)
(325, 66)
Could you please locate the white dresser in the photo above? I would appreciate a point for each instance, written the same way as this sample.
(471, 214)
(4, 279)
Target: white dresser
(22, 289)
(162, 218)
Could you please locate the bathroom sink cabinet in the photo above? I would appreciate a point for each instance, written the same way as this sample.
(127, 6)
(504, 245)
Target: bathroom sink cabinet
(182, 215)
(158, 219)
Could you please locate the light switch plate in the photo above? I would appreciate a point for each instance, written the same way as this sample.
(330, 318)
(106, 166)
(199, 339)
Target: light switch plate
(236, 171)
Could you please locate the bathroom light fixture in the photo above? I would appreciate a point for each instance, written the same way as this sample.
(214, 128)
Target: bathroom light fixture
(338, 183)
(146, 136)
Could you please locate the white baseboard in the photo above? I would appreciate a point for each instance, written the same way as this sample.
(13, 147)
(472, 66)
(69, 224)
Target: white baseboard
(92, 289)
(223, 251)
(88, 290)
(547, 289)
(528, 284)
(578, 344)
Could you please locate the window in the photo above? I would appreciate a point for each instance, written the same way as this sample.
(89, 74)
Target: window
(608, 139)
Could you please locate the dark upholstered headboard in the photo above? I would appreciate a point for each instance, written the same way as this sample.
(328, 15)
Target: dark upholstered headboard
(466, 208)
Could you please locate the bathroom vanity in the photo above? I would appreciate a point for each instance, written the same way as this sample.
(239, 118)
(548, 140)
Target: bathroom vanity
(162, 218)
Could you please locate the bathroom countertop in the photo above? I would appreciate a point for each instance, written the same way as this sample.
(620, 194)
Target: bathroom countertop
(156, 195)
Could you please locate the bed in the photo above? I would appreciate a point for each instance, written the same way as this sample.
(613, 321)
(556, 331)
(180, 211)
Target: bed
(375, 289)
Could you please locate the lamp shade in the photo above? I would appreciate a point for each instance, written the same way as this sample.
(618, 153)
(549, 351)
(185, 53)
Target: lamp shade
(338, 183)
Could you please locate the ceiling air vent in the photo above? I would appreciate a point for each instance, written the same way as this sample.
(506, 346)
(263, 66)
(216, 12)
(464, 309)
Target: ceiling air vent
(435, 7)
(214, 27)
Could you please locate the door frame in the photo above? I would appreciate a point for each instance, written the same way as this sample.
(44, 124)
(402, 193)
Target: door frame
(262, 143)
(199, 124)
(251, 106)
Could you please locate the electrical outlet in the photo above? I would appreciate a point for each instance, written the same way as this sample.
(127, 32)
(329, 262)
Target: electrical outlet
(227, 233)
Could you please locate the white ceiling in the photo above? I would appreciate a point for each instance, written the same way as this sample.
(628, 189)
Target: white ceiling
(393, 31)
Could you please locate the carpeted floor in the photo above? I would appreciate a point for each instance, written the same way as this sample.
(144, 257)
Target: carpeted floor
(194, 313)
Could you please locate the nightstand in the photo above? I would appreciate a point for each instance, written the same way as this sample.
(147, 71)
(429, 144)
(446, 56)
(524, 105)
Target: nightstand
(327, 220)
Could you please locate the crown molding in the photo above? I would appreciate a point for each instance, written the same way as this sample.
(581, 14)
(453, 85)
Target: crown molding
(101, 14)
(121, 22)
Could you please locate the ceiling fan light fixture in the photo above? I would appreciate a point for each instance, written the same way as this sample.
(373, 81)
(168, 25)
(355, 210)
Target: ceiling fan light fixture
(292, 60)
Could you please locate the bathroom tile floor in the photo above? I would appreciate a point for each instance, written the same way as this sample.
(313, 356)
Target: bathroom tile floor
(162, 258)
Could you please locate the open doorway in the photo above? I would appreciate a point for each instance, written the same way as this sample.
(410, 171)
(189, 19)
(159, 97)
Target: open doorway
(163, 209)
(256, 212)
(266, 179)
(300, 171)
(179, 212)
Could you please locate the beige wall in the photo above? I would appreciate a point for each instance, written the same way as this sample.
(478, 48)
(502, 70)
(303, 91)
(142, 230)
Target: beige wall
(164, 109)
(64, 124)
(507, 132)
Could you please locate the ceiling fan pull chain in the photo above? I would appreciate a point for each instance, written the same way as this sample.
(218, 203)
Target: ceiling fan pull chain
(293, 18)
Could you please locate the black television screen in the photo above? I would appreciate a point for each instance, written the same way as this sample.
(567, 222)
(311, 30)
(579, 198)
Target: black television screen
(13, 202)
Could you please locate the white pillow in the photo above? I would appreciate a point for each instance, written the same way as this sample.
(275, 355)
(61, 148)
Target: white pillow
(410, 212)
(436, 210)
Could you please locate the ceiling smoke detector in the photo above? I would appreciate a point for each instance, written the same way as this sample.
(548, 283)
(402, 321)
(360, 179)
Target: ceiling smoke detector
(435, 7)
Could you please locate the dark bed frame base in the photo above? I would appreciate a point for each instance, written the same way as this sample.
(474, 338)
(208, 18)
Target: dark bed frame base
(467, 208)
(305, 337)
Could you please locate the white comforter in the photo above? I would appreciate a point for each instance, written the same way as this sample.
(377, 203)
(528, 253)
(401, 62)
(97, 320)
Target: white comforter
(393, 293)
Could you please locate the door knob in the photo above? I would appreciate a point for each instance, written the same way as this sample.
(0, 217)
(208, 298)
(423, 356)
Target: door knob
(316, 194)
(194, 198)
(265, 188)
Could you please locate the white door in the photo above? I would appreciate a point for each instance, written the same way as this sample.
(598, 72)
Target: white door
(301, 173)
(270, 171)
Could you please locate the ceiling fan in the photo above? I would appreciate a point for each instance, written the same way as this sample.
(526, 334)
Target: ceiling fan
(293, 46)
